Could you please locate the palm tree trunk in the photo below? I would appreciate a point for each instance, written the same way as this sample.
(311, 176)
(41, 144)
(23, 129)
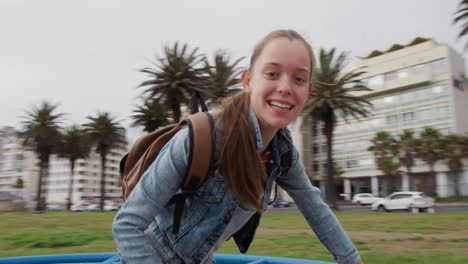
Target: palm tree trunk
(331, 190)
(103, 180)
(455, 182)
(176, 110)
(426, 182)
(408, 172)
(385, 185)
(39, 186)
(70, 185)
(46, 180)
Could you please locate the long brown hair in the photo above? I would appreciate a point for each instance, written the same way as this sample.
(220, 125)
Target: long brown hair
(239, 157)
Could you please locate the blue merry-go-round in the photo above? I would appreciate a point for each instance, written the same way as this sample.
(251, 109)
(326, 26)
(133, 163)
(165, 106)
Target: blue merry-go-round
(113, 258)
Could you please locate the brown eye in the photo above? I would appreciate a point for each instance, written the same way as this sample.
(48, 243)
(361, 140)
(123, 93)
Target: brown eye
(300, 80)
(271, 74)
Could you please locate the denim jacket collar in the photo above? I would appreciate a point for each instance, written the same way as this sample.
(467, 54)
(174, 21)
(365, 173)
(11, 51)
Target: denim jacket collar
(282, 138)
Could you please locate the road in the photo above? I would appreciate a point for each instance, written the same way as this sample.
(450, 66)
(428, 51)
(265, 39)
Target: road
(439, 208)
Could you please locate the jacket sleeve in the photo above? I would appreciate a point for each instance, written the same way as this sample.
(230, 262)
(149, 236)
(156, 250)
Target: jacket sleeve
(317, 213)
(157, 185)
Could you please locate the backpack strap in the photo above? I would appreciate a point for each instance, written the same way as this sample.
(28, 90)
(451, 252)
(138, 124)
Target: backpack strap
(195, 101)
(201, 150)
(199, 162)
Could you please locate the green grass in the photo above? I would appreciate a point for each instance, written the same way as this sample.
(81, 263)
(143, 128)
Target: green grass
(380, 237)
(386, 222)
(463, 199)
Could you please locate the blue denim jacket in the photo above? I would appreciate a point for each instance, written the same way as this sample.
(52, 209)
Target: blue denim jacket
(142, 228)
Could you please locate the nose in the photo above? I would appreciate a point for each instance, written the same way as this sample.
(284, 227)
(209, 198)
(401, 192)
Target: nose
(285, 85)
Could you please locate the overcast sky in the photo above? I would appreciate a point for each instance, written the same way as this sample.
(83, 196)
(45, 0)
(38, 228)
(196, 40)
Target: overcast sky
(85, 55)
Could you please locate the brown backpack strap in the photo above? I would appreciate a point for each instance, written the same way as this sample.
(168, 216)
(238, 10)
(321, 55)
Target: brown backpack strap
(199, 162)
(201, 150)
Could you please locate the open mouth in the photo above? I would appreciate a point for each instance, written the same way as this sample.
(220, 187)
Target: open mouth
(280, 105)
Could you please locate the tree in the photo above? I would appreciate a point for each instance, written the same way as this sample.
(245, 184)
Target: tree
(223, 76)
(41, 133)
(175, 77)
(151, 115)
(75, 145)
(407, 148)
(105, 133)
(453, 152)
(332, 95)
(461, 16)
(385, 149)
(429, 149)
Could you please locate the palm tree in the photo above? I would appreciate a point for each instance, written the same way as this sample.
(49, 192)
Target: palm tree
(407, 147)
(105, 134)
(175, 77)
(150, 115)
(41, 133)
(332, 95)
(223, 75)
(453, 152)
(385, 149)
(75, 145)
(430, 150)
(461, 16)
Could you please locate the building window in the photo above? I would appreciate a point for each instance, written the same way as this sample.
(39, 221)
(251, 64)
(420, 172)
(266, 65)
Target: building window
(366, 162)
(439, 67)
(437, 89)
(408, 116)
(315, 148)
(403, 73)
(442, 111)
(351, 163)
(314, 130)
(315, 166)
(376, 81)
(388, 99)
(392, 119)
(324, 148)
(391, 76)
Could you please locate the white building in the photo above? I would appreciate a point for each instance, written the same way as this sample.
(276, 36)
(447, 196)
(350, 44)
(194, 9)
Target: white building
(413, 87)
(87, 178)
(17, 164)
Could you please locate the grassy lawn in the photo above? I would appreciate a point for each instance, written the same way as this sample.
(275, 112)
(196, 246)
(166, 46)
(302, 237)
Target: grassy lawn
(463, 199)
(380, 237)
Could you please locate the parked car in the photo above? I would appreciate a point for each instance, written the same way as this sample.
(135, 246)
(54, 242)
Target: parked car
(56, 207)
(111, 206)
(84, 207)
(343, 197)
(79, 207)
(365, 198)
(279, 204)
(404, 201)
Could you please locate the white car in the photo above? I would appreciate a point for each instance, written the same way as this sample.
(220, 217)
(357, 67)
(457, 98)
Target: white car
(404, 201)
(109, 206)
(365, 198)
(84, 207)
(79, 207)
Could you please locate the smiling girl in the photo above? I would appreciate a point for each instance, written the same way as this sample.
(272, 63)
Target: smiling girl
(253, 149)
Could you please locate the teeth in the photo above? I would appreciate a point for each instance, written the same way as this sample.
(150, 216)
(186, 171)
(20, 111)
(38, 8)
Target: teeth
(280, 105)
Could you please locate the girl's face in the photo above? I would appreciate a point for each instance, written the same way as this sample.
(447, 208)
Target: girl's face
(279, 82)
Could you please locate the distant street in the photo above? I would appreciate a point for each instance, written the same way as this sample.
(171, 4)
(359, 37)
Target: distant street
(439, 208)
